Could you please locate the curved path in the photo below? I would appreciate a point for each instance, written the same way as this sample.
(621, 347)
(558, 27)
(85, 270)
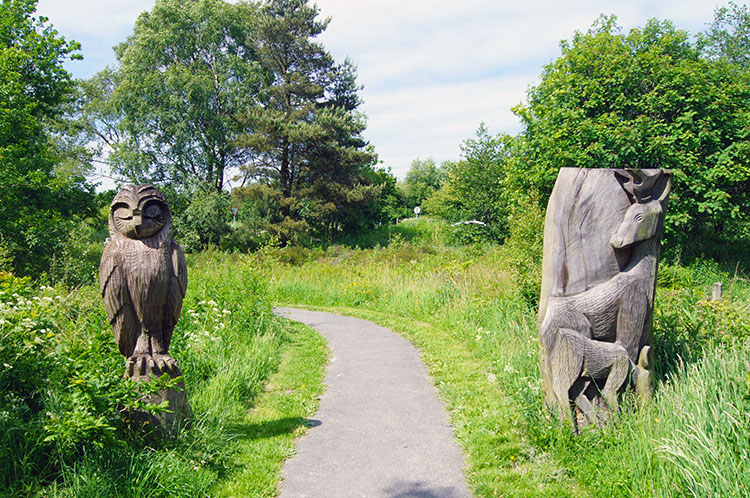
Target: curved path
(382, 430)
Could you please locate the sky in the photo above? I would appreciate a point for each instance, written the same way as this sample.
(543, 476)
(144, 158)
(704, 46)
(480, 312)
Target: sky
(432, 70)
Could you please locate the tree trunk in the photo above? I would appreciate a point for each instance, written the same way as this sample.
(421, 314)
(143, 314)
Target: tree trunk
(284, 176)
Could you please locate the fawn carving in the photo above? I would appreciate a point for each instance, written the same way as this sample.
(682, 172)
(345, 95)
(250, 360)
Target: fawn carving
(593, 340)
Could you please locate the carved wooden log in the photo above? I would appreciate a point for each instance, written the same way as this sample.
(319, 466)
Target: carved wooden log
(143, 279)
(601, 250)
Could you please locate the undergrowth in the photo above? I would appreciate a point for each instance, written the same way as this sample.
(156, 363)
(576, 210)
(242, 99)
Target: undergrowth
(65, 428)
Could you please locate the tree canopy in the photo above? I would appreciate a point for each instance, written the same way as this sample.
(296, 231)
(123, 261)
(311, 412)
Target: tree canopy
(648, 98)
(422, 180)
(36, 203)
(729, 35)
(168, 111)
(305, 139)
(474, 186)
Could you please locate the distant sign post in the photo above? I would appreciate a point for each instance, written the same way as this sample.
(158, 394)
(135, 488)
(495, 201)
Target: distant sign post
(235, 210)
(417, 210)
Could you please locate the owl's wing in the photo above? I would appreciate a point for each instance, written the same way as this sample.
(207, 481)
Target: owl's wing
(177, 286)
(117, 302)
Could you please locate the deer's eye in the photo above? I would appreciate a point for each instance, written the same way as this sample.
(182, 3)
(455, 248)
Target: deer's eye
(638, 217)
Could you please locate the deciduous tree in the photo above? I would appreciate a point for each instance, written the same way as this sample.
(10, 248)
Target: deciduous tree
(36, 203)
(167, 111)
(423, 179)
(473, 189)
(643, 99)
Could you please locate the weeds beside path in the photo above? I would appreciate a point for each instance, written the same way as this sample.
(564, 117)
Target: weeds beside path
(280, 415)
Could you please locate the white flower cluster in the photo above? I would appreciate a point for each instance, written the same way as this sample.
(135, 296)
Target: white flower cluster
(205, 323)
(17, 311)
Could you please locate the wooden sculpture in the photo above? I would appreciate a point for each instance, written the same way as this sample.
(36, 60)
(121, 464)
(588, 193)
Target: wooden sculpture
(143, 279)
(601, 250)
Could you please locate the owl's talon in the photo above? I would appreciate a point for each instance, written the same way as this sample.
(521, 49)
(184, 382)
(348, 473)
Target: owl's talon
(166, 363)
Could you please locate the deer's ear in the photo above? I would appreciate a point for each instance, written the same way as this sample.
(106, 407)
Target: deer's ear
(627, 180)
(663, 186)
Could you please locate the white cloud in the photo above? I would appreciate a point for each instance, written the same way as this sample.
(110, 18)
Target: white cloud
(434, 69)
(97, 25)
(94, 18)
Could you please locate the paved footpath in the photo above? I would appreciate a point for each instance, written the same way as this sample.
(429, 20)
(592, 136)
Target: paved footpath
(383, 430)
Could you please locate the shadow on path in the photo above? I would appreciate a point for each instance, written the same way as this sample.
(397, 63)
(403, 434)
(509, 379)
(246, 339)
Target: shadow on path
(416, 489)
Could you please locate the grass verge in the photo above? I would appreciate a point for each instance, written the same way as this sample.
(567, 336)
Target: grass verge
(279, 417)
(466, 310)
(65, 428)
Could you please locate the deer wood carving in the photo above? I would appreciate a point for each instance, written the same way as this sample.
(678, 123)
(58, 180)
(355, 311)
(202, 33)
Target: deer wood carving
(603, 333)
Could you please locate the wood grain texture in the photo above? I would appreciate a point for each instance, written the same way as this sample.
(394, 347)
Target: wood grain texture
(601, 249)
(143, 280)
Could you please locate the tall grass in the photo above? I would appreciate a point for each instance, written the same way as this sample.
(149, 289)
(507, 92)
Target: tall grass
(64, 426)
(695, 430)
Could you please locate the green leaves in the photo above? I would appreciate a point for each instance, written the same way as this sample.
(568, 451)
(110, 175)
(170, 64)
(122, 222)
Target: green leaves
(169, 111)
(644, 99)
(34, 88)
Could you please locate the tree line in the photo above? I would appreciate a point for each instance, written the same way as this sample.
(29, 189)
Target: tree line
(651, 97)
(237, 104)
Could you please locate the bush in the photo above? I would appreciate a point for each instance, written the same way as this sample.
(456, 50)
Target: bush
(525, 245)
(204, 221)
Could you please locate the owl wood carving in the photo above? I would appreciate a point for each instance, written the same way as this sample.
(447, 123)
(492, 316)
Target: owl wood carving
(143, 278)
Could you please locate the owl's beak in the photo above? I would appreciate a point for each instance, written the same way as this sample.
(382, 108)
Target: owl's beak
(137, 221)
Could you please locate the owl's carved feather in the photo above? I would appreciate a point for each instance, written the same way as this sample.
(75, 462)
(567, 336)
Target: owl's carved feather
(120, 311)
(142, 275)
(177, 288)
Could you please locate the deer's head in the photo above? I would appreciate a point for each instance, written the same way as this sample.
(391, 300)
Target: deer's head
(647, 191)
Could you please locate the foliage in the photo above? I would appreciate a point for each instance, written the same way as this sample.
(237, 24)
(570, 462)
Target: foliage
(167, 112)
(38, 203)
(265, 215)
(205, 221)
(423, 179)
(305, 140)
(644, 99)
(474, 187)
(392, 205)
(65, 427)
(525, 244)
(729, 34)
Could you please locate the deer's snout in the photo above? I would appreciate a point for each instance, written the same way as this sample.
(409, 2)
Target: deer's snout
(640, 223)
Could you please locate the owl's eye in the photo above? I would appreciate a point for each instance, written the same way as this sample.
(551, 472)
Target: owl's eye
(123, 213)
(152, 211)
